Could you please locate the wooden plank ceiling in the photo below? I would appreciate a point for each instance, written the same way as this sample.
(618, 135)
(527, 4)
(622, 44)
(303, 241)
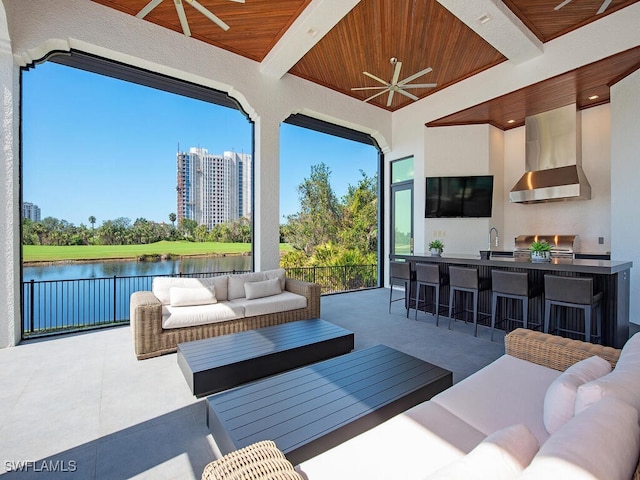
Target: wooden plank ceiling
(419, 33)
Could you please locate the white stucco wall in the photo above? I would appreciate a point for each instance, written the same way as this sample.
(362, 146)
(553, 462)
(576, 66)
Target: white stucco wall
(38, 27)
(625, 180)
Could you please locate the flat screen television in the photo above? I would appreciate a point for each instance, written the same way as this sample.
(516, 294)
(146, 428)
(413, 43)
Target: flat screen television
(454, 197)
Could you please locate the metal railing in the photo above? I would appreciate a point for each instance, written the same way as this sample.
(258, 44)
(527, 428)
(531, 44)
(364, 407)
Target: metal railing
(61, 306)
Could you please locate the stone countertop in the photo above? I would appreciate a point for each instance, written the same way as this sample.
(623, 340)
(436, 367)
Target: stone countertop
(600, 267)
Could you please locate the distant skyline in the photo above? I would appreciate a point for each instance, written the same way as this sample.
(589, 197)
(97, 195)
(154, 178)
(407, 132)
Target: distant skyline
(98, 146)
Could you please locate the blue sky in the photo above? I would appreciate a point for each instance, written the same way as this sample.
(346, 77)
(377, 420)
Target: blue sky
(93, 145)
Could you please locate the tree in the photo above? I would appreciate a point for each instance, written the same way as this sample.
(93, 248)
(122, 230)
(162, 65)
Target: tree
(92, 221)
(172, 219)
(188, 226)
(360, 216)
(319, 217)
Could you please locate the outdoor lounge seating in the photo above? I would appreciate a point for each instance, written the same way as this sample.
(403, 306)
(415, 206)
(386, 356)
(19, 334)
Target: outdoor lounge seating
(546, 409)
(183, 309)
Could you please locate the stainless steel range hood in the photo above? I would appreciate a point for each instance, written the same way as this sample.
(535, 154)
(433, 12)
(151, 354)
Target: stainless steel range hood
(553, 159)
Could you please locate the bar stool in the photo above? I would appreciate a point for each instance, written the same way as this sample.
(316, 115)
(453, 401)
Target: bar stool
(428, 275)
(573, 292)
(466, 280)
(513, 285)
(400, 274)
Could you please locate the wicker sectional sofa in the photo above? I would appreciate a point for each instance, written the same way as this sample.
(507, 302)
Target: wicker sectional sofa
(183, 309)
(492, 425)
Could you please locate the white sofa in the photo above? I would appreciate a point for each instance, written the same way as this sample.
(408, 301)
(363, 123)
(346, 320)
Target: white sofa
(181, 309)
(495, 424)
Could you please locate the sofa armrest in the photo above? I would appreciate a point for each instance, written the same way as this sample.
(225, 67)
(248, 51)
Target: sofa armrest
(306, 289)
(145, 317)
(553, 351)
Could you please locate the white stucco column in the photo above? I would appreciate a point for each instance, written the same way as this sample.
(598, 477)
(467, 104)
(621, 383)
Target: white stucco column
(266, 211)
(625, 181)
(9, 194)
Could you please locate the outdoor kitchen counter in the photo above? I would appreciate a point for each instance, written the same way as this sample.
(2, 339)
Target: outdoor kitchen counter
(610, 276)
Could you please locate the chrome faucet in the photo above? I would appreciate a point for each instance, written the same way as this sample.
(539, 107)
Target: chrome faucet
(497, 241)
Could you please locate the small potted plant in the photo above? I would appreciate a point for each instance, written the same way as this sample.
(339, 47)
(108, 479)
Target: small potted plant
(540, 251)
(436, 247)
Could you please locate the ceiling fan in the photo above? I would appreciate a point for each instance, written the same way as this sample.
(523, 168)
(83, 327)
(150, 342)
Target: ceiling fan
(183, 17)
(602, 8)
(395, 85)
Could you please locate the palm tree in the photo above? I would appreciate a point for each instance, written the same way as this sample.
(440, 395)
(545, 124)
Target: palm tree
(172, 219)
(92, 221)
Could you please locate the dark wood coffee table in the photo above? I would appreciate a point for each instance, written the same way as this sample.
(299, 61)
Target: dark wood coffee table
(314, 408)
(219, 363)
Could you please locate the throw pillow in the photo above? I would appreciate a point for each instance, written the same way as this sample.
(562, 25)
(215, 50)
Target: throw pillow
(503, 455)
(265, 288)
(600, 443)
(560, 399)
(621, 383)
(235, 284)
(190, 296)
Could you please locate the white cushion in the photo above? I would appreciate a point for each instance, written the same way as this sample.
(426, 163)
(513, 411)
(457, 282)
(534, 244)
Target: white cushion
(506, 392)
(265, 288)
(187, 296)
(236, 283)
(600, 443)
(503, 455)
(277, 303)
(623, 382)
(161, 286)
(178, 317)
(560, 400)
(279, 273)
(408, 446)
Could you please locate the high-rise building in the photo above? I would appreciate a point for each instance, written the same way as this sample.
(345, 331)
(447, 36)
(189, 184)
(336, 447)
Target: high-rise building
(213, 189)
(31, 211)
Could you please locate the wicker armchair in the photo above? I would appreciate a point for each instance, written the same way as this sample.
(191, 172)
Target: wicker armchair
(260, 461)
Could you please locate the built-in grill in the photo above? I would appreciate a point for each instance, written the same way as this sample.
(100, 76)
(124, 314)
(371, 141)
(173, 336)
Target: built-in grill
(562, 246)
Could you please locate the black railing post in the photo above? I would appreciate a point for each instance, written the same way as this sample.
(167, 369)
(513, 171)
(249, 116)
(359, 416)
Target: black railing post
(115, 300)
(32, 303)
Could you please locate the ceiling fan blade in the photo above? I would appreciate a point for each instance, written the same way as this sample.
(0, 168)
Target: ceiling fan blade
(396, 73)
(420, 85)
(183, 17)
(558, 7)
(376, 95)
(415, 75)
(147, 8)
(376, 78)
(390, 97)
(407, 94)
(603, 7)
(369, 88)
(195, 4)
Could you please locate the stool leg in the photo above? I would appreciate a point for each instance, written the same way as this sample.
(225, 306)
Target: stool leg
(407, 296)
(390, 295)
(494, 312)
(587, 323)
(547, 315)
(437, 303)
(475, 313)
(419, 289)
(451, 296)
(525, 311)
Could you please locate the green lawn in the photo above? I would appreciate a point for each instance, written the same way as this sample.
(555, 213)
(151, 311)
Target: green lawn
(39, 253)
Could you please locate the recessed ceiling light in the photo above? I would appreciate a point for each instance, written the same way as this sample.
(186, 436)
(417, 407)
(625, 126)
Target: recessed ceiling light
(482, 19)
(511, 121)
(594, 97)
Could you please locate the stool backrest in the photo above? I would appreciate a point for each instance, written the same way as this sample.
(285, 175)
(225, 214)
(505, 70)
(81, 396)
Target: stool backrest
(577, 290)
(427, 272)
(463, 277)
(511, 283)
(400, 270)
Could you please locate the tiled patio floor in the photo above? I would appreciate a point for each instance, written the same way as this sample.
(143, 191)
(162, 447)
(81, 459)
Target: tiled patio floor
(83, 402)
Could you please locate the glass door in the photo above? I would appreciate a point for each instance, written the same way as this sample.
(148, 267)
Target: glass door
(402, 218)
